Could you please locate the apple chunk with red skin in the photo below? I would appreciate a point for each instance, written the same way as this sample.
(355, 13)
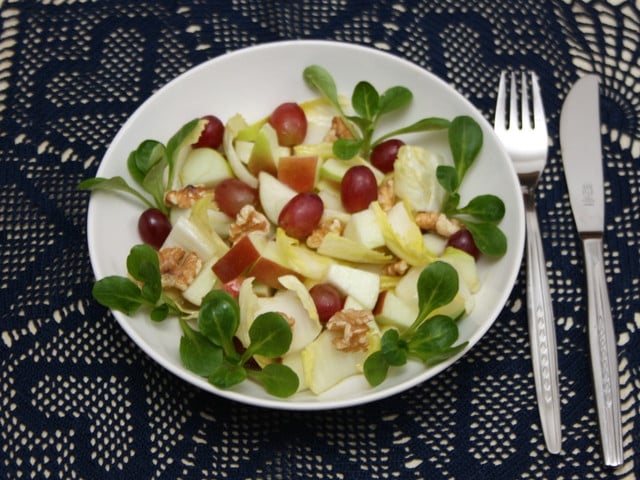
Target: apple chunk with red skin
(237, 260)
(270, 266)
(299, 172)
(252, 256)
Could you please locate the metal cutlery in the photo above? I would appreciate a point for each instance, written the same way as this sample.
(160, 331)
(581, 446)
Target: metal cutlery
(582, 160)
(526, 141)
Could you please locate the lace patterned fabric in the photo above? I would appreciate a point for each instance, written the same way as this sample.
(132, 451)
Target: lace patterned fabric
(78, 399)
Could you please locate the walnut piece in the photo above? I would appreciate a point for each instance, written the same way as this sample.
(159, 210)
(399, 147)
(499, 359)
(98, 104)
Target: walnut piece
(387, 194)
(187, 196)
(438, 222)
(326, 225)
(178, 268)
(396, 269)
(247, 220)
(338, 129)
(351, 328)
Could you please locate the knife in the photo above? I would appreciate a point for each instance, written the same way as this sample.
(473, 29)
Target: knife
(582, 160)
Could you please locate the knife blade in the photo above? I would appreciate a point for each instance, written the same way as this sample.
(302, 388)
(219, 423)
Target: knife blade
(580, 142)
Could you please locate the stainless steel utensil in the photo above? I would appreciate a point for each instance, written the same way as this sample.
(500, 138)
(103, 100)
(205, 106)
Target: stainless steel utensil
(582, 160)
(525, 139)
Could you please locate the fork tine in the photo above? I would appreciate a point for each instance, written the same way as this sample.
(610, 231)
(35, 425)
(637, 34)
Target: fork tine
(539, 120)
(513, 103)
(500, 115)
(524, 103)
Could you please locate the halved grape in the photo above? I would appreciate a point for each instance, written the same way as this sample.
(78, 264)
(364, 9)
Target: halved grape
(358, 188)
(327, 300)
(232, 194)
(290, 123)
(153, 227)
(384, 155)
(462, 240)
(212, 134)
(301, 215)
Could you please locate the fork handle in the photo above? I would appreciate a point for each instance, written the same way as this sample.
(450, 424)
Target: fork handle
(542, 333)
(602, 346)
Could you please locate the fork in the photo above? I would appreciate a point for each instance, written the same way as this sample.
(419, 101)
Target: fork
(525, 140)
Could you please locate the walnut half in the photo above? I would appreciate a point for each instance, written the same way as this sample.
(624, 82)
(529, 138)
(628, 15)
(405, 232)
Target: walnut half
(351, 328)
(247, 220)
(178, 268)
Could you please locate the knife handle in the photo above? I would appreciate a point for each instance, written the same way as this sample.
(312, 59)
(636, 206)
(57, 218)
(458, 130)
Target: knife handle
(604, 360)
(542, 334)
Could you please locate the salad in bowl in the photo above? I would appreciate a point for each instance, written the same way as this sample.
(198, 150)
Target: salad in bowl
(325, 250)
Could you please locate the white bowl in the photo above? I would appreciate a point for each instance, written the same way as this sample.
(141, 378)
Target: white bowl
(253, 81)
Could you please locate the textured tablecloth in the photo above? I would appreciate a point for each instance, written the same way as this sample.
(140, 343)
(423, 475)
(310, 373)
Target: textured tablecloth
(78, 399)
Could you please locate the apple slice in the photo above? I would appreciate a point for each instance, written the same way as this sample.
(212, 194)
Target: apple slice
(204, 166)
(270, 266)
(202, 284)
(334, 169)
(434, 243)
(186, 235)
(465, 265)
(362, 285)
(239, 258)
(274, 195)
(394, 311)
(299, 172)
(363, 228)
